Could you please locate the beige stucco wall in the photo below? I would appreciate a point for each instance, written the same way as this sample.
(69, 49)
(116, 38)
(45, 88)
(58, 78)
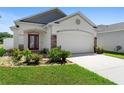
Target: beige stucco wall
(109, 40)
(71, 24)
(15, 37)
(21, 34)
(33, 32)
(84, 30)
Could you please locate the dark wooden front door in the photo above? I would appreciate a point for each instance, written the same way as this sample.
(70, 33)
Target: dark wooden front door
(33, 41)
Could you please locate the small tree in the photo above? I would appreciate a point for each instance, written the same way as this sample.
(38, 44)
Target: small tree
(4, 35)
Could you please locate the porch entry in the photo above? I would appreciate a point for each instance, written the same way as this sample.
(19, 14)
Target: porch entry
(33, 41)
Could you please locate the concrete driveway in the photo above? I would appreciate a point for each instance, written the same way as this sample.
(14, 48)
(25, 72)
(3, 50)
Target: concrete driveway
(108, 67)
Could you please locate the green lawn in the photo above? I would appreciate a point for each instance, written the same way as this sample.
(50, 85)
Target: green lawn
(50, 75)
(118, 55)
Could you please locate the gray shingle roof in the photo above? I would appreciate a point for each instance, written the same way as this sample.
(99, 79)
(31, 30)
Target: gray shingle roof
(46, 17)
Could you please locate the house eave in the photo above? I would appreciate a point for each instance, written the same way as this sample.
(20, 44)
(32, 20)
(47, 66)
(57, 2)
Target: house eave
(21, 22)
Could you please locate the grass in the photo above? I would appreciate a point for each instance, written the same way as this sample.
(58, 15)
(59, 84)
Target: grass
(118, 55)
(50, 75)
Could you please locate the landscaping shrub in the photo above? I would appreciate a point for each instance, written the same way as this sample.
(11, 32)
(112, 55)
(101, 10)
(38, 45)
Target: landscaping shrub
(16, 52)
(54, 55)
(2, 51)
(27, 54)
(16, 55)
(44, 51)
(57, 55)
(16, 59)
(9, 52)
(117, 48)
(36, 58)
(99, 50)
(64, 54)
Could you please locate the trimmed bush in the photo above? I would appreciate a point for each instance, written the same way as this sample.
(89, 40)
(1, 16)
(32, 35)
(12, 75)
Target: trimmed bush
(36, 58)
(99, 50)
(64, 55)
(117, 48)
(57, 55)
(9, 52)
(16, 52)
(54, 55)
(27, 53)
(17, 55)
(2, 52)
(44, 51)
(16, 59)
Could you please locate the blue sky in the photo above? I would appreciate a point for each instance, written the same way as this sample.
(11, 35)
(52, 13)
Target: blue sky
(97, 15)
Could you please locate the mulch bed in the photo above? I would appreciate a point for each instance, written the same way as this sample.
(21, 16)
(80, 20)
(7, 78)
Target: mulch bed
(41, 64)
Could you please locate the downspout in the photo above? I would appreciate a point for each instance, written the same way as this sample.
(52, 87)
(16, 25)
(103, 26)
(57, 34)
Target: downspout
(95, 44)
(95, 40)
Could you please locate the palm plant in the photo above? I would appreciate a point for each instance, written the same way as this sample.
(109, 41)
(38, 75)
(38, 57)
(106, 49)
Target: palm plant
(64, 55)
(27, 53)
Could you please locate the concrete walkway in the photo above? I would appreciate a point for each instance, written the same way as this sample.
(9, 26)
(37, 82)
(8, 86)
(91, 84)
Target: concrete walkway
(108, 67)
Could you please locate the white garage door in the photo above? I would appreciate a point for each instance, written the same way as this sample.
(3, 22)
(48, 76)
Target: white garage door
(75, 41)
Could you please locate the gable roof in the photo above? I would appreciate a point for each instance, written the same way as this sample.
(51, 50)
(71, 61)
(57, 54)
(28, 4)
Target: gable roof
(110, 28)
(45, 17)
(78, 13)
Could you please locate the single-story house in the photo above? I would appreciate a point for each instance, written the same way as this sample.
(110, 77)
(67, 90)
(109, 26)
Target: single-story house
(111, 37)
(75, 33)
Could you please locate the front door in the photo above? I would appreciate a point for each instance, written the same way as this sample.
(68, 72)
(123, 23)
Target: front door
(33, 41)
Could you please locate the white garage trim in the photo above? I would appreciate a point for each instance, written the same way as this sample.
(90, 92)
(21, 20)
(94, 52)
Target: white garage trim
(74, 30)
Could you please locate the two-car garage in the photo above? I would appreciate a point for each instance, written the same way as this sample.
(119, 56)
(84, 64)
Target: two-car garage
(76, 41)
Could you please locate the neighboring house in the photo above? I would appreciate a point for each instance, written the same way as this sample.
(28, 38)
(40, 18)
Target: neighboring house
(111, 37)
(75, 33)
